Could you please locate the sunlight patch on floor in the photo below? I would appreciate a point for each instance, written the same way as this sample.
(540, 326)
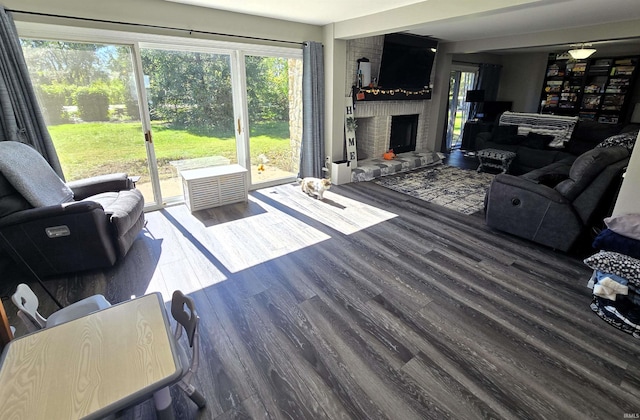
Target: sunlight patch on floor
(275, 222)
(257, 239)
(343, 214)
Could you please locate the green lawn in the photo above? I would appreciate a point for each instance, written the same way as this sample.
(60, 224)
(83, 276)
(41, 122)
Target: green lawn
(89, 149)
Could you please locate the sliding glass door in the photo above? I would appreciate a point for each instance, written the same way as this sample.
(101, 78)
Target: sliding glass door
(190, 102)
(458, 113)
(274, 99)
(90, 101)
(157, 106)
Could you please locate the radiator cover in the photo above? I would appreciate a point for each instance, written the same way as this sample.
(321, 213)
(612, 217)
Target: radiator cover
(214, 186)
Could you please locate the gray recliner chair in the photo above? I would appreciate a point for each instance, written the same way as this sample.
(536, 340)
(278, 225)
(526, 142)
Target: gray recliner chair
(56, 228)
(556, 204)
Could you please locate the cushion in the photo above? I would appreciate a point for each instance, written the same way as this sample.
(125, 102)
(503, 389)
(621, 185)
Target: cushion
(587, 167)
(505, 134)
(608, 240)
(625, 224)
(627, 140)
(616, 263)
(40, 186)
(552, 179)
(511, 139)
(537, 141)
(588, 133)
(123, 208)
(593, 132)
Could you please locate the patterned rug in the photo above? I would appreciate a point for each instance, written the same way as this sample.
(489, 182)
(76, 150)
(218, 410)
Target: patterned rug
(457, 189)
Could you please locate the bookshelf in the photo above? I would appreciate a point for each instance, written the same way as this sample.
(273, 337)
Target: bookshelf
(563, 86)
(597, 89)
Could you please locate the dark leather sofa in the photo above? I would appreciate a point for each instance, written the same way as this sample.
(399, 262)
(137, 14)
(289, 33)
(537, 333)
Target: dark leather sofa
(55, 228)
(532, 151)
(555, 205)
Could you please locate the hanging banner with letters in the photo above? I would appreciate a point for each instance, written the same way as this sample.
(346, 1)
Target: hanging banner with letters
(350, 132)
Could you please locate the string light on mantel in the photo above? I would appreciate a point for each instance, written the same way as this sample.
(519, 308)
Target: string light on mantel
(376, 91)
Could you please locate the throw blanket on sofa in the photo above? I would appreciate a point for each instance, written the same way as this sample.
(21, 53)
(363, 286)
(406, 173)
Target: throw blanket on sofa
(557, 126)
(31, 175)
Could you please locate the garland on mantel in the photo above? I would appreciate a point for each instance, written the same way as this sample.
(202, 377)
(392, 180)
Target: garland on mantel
(376, 91)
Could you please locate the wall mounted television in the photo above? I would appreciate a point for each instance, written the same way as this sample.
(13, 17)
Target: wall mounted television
(407, 61)
(491, 110)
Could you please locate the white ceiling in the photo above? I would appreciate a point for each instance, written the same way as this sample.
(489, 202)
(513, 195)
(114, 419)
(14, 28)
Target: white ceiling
(319, 12)
(456, 25)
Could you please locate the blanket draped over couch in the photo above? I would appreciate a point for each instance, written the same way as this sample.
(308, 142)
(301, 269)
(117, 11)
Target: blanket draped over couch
(559, 127)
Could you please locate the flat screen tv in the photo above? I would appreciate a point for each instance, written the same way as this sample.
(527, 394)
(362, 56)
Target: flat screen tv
(407, 61)
(491, 110)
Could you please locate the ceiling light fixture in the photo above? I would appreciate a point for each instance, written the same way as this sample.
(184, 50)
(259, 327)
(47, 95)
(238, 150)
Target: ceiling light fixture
(582, 52)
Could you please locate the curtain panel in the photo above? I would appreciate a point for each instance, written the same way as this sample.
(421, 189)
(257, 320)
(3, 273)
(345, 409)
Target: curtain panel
(20, 116)
(312, 147)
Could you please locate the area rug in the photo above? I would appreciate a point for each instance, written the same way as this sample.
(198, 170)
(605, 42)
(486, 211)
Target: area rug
(458, 189)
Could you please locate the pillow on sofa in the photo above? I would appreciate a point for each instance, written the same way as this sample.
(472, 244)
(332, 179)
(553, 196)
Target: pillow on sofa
(512, 139)
(590, 131)
(615, 263)
(627, 140)
(537, 141)
(505, 134)
(625, 224)
(587, 134)
(608, 240)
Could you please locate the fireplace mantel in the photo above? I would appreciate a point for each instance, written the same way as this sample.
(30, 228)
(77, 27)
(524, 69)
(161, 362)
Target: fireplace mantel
(398, 94)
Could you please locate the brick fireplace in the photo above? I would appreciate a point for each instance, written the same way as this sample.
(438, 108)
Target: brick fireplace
(374, 117)
(374, 125)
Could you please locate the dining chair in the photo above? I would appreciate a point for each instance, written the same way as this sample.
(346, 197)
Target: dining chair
(183, 310)
(6, 330)
(27, 303)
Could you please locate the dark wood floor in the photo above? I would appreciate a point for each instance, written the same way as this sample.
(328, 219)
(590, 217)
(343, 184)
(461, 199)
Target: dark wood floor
(372, 305)
(461, 159)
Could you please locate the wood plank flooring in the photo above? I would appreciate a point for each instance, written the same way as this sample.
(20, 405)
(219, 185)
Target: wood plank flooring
(372, 305)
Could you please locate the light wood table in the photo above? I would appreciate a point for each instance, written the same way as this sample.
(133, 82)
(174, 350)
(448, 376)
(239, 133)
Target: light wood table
(92, 366)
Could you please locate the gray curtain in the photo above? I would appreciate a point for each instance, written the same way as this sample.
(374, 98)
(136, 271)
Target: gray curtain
(312, 147)
(489, 81)
(20, 116)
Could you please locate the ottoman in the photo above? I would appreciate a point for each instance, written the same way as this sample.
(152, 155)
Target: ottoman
(495, 158)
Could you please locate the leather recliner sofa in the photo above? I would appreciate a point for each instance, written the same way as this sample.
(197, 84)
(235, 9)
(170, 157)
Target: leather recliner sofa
(55, 228)
(556, 204)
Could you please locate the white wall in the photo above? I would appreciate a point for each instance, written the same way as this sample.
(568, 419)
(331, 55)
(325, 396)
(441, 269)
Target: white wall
(335, 62)
(629, 195)
(521, 80)
(165, 13)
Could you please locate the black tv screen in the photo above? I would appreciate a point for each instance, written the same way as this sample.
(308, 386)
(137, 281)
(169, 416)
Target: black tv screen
(491, 110)
(407, 61)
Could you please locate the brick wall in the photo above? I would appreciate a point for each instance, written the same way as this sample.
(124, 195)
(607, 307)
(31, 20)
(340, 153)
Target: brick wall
(374, 117)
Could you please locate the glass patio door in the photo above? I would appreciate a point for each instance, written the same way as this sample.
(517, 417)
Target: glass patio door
(191, 108)
(90, 101)
(156, 107)
(458, 113)
(274, 108)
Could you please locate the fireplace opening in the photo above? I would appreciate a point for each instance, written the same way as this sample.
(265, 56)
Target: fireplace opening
(404, 130)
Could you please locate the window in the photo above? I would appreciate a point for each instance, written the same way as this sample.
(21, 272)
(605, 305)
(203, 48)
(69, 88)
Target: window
(152, 106)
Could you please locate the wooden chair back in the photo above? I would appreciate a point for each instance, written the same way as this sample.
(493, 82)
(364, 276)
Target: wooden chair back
(5, 329)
